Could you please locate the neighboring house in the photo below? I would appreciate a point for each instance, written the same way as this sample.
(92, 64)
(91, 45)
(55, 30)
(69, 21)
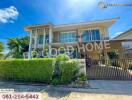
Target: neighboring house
(47, 36)
(126, 38)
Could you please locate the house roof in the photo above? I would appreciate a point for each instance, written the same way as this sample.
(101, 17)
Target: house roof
(125, 35)
(88, 22)
(105, 22)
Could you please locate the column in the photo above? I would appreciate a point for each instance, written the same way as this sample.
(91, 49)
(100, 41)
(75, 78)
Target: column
(106, 34)
(30, 46)
(43, 42)
(50, 34)
(102, 33)
(50, 40)
(90, 33)
(79, 35)
(35, 42)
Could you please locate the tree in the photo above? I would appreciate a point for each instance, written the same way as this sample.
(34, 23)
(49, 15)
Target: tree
(113, 54)
(1, 49)
(17, 46)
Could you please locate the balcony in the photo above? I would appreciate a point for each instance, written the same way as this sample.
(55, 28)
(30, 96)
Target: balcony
(80, 39)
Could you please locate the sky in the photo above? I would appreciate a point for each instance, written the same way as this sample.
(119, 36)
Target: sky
(16, 14)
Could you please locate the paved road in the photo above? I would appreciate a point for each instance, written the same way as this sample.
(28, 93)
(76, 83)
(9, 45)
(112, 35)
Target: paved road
(98, 90)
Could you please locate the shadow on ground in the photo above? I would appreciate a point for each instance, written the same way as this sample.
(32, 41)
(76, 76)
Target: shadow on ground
(57, 93)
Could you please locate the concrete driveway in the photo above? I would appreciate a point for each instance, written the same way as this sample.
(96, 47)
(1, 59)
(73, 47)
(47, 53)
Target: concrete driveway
(98, 90)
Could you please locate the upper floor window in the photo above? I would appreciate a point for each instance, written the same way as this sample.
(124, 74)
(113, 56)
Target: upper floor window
(66, 37)
(40, 39)
(89, 35)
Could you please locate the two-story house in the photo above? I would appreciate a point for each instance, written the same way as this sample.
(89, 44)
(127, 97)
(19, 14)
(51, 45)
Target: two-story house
(45, 37)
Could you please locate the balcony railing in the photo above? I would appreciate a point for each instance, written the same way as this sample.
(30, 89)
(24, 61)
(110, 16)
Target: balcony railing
(102, 38)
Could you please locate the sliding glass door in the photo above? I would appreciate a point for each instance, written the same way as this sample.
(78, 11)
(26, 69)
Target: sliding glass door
(89, 35)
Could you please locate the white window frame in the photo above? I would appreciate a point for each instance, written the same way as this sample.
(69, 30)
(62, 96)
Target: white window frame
(89, 29)
(68, 32)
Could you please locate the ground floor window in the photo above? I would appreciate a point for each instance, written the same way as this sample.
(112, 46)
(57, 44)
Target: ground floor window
(40, 39)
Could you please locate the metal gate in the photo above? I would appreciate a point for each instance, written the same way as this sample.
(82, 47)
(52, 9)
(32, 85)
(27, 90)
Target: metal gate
(120, 69)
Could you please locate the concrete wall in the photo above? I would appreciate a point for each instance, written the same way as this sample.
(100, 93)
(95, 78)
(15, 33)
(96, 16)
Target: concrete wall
(82, 66)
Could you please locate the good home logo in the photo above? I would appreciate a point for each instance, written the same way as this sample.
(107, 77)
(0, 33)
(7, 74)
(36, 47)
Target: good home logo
(70, 50)
(86, 47)
(102, 4)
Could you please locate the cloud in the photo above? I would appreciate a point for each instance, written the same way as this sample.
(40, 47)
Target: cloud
(116, 34)
(8, 14)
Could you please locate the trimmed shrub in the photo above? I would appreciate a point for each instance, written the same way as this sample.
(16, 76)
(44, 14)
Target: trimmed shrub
(69, 70)
(35, 70)
(56, 80)
(62, 57)
(82, 77)
(59, 58)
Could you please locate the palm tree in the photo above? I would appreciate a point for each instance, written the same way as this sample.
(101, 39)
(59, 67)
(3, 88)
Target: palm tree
(17, 46)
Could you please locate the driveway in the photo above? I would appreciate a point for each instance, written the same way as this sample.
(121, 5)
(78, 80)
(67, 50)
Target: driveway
(113, 87)
(98, 90)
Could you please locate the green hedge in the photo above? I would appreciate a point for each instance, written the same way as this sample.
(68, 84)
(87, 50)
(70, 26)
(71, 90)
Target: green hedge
(38, 70)
(69, 70)
(35, 70)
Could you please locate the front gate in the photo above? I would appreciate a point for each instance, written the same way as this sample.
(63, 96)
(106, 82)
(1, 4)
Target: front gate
(109, 69)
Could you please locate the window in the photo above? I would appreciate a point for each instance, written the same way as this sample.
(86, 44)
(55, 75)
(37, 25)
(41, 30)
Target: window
(89, 35)
(47, 38)
(40, 40)
(95, 35)
(86, 36)
(66, 37)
